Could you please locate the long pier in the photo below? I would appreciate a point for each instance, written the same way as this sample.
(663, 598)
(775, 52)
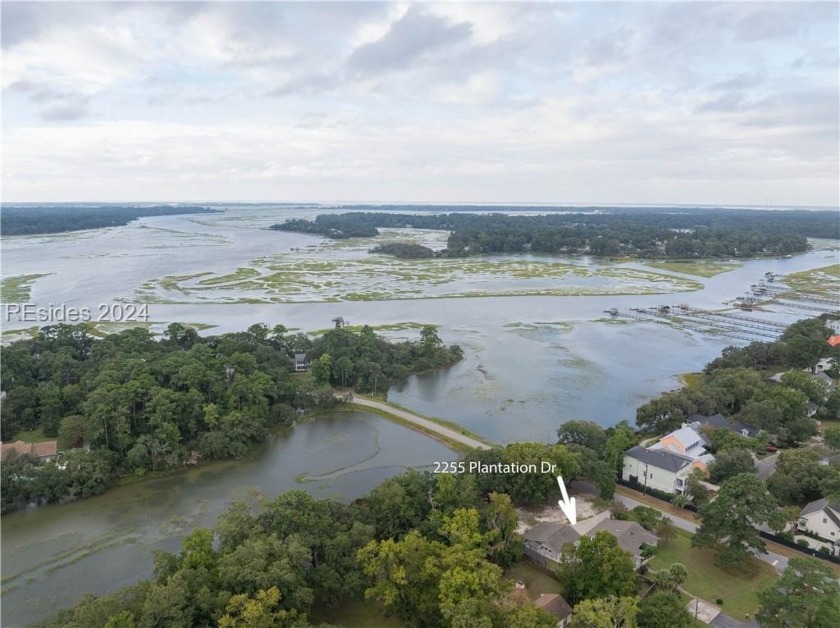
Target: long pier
(701, 321)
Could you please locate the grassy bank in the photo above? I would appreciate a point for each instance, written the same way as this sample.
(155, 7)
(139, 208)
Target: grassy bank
(19, 288)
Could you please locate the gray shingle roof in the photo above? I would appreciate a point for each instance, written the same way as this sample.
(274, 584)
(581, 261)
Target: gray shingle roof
(554, 604)
(631, 536)
(660, 458)
(555, 535)
(829, 508)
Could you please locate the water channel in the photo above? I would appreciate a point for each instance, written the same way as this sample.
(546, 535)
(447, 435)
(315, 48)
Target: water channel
(532, 362)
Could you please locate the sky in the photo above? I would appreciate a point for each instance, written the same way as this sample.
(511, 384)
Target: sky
(638, 103)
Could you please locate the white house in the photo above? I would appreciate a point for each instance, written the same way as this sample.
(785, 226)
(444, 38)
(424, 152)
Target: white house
(661, 469)
(821, 518)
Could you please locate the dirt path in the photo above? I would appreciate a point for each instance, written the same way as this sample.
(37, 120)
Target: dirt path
(426, 424)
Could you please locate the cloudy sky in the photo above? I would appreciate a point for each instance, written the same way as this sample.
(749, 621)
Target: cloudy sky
(640, 102)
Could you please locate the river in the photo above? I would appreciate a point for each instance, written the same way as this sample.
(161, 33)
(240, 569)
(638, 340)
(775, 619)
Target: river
(54, 554)
(532, 362)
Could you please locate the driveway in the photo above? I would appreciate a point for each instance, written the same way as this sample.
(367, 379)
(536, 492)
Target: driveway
(766, 466)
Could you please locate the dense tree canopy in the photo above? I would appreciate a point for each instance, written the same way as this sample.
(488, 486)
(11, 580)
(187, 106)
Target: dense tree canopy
(644, 232)
(807, 595)
(597, 568)
(144, 404)
(730, 522)
(439, 565)
(32, 219)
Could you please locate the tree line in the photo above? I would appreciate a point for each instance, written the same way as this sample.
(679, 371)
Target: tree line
(644, 233)
(35, 219)
(129, 403)
(431, 550)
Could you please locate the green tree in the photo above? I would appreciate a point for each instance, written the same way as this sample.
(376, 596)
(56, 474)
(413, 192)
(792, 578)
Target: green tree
(695, 490)
(321, 369)
(597, 568)
(405, 577)
(807, 595)
(664, 609)
(730, 463)
(672, 578)
(730, 522)
(261, 610)
(798, 476)
(621, 438)
(831, 437)
(583, 433)
(813, 388)
(607, 612)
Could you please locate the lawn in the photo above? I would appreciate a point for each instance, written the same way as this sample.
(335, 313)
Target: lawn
(33, 436)
(536, 581)
(366, 614)
(738, 588)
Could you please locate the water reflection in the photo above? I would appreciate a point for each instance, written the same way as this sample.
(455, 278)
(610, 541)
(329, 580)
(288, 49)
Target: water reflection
(54, 554)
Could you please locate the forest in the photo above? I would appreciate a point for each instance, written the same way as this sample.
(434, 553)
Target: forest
(403, 250)
(37, 219)
(737, 385)
(433, 550)
(429, 550)
(130, 403)
(645, 234)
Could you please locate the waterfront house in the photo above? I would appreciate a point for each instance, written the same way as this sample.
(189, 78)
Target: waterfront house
(700, 422)
(822, 518)
(42, 452)
(661, 469)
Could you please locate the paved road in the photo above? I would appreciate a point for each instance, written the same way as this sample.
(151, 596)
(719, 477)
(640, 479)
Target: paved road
(418, 420)
(777, 561)
(765, 467)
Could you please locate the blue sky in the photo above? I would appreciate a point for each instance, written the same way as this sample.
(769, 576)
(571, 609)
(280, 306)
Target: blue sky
(734, 103)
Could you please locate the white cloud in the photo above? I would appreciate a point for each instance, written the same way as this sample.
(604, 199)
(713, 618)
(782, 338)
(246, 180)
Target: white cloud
(471, 102)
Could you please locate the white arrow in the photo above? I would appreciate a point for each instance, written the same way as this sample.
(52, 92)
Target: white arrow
(567, 505)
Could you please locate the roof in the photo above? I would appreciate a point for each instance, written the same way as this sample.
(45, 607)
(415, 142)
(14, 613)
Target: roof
(554, 604)
(715, 420)
(631, 536)
(659, 458)
(830, 509)
(718, 421)
(834, 340)
(685, 435)
(39, 450)
(824, 377)
(553, 534)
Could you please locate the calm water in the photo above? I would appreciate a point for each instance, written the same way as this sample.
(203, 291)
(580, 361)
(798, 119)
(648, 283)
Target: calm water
(532, 362)
(54, 554)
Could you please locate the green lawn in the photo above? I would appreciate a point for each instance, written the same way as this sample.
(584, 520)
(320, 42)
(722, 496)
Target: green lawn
(33, 436)
(536, 581)
(366, 614)
(738, 588)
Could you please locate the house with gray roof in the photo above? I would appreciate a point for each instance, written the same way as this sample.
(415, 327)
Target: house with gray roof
(556, 605)
(662, 468)
(718, 421)
(822, 518)
(631, 537)
(546, 541)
